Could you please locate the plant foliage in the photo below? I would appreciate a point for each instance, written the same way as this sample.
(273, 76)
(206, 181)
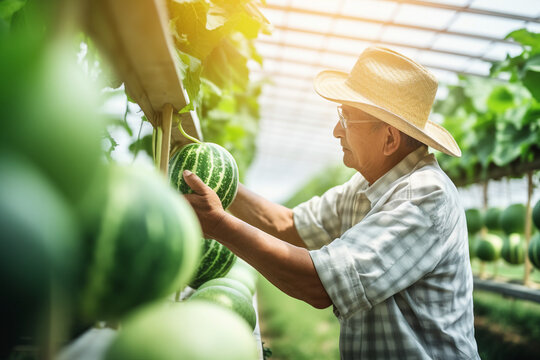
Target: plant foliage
(214, 40)
(496, 123)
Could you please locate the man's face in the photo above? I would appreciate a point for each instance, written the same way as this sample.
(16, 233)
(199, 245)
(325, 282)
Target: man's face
(362, 142)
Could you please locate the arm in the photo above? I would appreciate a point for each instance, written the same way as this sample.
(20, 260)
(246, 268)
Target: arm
(287, 266)
(270, 217)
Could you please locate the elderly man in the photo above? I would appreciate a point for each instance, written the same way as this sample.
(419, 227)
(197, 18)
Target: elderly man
(388, 249)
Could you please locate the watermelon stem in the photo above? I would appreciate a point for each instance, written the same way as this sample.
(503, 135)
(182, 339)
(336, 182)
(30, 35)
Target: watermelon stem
(189, 137)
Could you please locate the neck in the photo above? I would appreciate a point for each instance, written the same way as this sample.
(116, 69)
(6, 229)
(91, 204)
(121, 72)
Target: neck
(387, 164)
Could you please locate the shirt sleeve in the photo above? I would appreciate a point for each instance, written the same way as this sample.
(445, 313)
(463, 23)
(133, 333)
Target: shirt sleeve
(318, 220)
(383, 254)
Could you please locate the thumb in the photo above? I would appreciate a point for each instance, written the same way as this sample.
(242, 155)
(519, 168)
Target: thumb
(195, 182)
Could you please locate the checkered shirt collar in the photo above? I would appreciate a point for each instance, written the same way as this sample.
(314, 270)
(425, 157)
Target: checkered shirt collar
(404, 167)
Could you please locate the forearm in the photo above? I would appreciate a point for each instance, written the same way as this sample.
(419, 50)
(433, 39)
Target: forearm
(287, 266)
(270, 217)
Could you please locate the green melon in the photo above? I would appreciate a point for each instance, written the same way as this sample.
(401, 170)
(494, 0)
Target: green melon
(229, 298)
(513, 250)
(38, 245)
(491, 219)
(234, 284)
(474, 220)
(472, 246)
(243, 265)
(194, 330)
(488, 247)
(536, 215)
(212, 163)
(513, 219)
(245, 276)
(534, 251)
(50, 110)
(145, 244)
(215, 262)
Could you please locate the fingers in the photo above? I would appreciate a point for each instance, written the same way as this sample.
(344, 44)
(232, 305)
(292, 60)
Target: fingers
(195, 183)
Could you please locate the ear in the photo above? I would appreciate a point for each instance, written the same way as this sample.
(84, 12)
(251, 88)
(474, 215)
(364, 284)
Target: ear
(392, 140)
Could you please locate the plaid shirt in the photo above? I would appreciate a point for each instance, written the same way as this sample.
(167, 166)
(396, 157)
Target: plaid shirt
(394, 259)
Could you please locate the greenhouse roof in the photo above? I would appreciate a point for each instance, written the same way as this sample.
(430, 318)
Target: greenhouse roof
(450, 37)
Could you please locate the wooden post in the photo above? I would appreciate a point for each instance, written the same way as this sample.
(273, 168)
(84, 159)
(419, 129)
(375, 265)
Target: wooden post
(166, 125)
(483, 231)
(528, 227)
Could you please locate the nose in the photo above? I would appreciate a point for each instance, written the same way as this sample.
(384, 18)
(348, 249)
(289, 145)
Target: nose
(338, 132)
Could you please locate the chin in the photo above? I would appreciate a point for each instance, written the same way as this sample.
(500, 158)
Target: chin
(347, 162)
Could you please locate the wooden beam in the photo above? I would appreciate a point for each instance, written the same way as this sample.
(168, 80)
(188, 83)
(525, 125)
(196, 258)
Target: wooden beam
(387, 23)
(383, 42)
(166, 125)
(135, 38)
(317, 64)
(516, 168)
(468, 9)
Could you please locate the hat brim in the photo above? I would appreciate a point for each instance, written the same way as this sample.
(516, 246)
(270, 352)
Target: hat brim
(332, 85)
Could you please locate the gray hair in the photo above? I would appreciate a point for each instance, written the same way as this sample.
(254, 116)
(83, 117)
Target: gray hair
(410, 142)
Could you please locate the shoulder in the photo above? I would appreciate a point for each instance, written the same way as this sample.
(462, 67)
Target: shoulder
(433, 190)
(427, 177)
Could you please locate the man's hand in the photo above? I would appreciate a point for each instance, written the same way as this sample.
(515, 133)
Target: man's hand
(206, 204)
(288, 267)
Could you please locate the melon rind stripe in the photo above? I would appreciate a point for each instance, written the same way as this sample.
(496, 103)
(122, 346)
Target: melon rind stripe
(103, 260)
(226, 258)
(534, 251)
(227, 265)
(230, 194)
(205, 265)
(219, 155)
(212, 163)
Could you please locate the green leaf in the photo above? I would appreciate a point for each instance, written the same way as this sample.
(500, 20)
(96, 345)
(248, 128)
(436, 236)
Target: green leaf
(512, 143)
(526, 38)
(226, 66)
(190, 71)
(500, 99)
(142, 144)
(478, 90)
(216, 17)
(531, 76)
(189, 107)
(455, 99)
(9, 7)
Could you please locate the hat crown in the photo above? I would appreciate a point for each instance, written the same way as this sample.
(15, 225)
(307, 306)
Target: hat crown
(396, 83)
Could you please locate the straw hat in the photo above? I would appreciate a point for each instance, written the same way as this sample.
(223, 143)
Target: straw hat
(394, 89)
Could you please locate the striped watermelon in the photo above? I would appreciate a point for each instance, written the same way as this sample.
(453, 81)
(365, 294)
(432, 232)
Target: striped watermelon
(512, 219)
(474, 220)
(234, 284)
(534, 251)
(143, 244)
(229, 298)
(216, 261)
(492, 217)
(194, 330)
(513, 250)
(212, 163)
(488, 247)
(536, 215)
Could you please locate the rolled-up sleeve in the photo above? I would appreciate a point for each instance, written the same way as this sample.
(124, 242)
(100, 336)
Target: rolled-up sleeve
(383, 254)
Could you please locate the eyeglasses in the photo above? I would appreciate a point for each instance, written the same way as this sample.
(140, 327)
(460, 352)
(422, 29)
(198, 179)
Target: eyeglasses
(343, 121)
